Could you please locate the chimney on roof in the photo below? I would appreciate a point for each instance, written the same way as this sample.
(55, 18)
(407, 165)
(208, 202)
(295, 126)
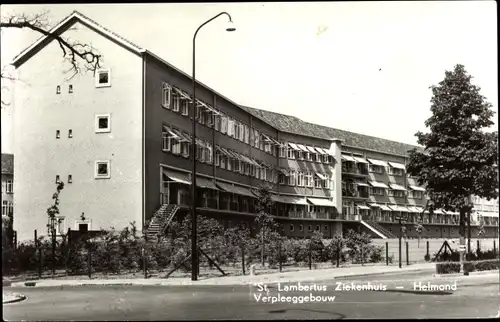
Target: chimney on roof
(337, 140)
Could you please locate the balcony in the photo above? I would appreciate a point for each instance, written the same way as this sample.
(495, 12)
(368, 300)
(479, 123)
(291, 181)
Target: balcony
(355, 194)
(355, 171)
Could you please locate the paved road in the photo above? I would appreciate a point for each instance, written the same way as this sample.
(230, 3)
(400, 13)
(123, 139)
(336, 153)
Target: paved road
(476, 296)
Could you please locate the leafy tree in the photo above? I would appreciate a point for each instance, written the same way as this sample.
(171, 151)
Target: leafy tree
(459, 158)
(266, 223)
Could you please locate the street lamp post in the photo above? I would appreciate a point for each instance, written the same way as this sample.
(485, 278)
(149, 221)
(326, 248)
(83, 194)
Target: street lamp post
(194, 246)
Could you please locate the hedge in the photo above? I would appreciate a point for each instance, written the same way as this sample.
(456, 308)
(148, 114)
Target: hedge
(471, 266)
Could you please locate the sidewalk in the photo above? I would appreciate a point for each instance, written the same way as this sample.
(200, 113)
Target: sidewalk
(286, 277)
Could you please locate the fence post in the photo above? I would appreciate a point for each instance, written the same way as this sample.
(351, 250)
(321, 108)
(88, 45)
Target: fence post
(478, 248)
(279, 255)
(494, 248)
(243, 259)
(310, 255)
(407, 254)
(145, 263)
(428, 255)
(338, 255)
(89, 261)
(362, 256)
(387, 253)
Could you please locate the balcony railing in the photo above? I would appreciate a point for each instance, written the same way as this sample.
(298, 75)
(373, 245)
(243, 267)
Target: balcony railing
(355, 194)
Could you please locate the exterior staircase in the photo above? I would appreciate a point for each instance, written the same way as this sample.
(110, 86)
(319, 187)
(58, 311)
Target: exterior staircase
(160, 221)
(379, 230)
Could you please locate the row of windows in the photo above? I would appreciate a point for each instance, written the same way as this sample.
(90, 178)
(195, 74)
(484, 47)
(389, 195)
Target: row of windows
(305, 179)
(309, 227)
(8, 186)
(313, 154)
(178, 101)
(102, 171)
(102, 79)
(380, 191)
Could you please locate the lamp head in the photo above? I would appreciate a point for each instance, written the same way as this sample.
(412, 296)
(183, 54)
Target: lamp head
(230, 26)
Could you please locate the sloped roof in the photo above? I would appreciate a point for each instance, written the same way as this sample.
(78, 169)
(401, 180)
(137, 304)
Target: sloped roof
(294, 125)
(282, 122)
(7, 163)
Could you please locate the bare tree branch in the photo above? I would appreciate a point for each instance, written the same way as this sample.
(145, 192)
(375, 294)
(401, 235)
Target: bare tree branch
(72, 51)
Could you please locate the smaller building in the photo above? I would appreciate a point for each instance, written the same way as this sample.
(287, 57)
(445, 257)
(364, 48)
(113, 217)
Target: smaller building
(8, 192)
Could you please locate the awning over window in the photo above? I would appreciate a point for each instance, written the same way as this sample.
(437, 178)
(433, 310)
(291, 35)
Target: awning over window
(293, 146)
(320, 150)
(311, 149)
(385, 208)
(183, 137)
(179, 177)
(205, 183)
(374, 205)
(201, 143)
(224, 151)
(363, 207)
(438, 211)
(213, 110)
(265, 165)
(295, 200)
(399, 208)
(321, 176)
(257, 164)
(449, 212)
(277, 198)
(416, 188)
(361, 183)
(378, 162)
(266, 138)
(329, 152)
(321, 202)
(182, 94)
(397, 165)
(239, 190)
(347, 158)
(377, 184)
(396, 187)
(284, 172)
(246, 159)
(419, 209)
(303, 148)
(360, 160)
(412, 209)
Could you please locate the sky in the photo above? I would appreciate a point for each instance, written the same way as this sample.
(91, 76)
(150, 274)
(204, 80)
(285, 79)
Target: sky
(364, 67)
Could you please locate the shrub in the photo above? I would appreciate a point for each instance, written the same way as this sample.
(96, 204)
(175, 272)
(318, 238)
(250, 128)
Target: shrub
(484, 265)
(447, 268)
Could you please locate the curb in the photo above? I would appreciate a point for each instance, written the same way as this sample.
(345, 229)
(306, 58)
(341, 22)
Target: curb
(470, 274)
(219, 282)
(18, 298)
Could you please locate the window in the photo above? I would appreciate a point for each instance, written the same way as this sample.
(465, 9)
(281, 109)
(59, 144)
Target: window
(299, 155)
(314, 157)
(223, 125)
(395, 171)
(58, 134)
(217, 158)
(223, 161)
(247, 134)
(415, 194)
(185, 107)
(103, 78)
(292, 227)
(176, 103)
(317, 227)
(257, 138)
(229, 164)
(326, 227)
(247, 169)
(70, 89)
(242, 132)
(166, 142)
(291, 178)
(58, 89)
(301, 228)
(309, 156)
(327, 183)
(7, 208)
(291, 153)
(375, 168)
(267, 147)
(318, 183)
(102, 170)
(103, 123)
(58, 179)
(236, 167)
(300, 179)
(376, 191)
(309, 228)
(283, 150)
(9, 186)
(217, 122)
(395, 193)
(308, 179)
(326, 158)
(58, 223)
(70, 133)
(70, 178)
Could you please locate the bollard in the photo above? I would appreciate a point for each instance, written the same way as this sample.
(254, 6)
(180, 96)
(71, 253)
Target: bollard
(279, 255)
(243, 259)
(386, 253)
(252, 270)
(407, 254)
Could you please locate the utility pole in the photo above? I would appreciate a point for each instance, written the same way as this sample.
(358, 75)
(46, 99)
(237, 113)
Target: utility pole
(400, 236)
